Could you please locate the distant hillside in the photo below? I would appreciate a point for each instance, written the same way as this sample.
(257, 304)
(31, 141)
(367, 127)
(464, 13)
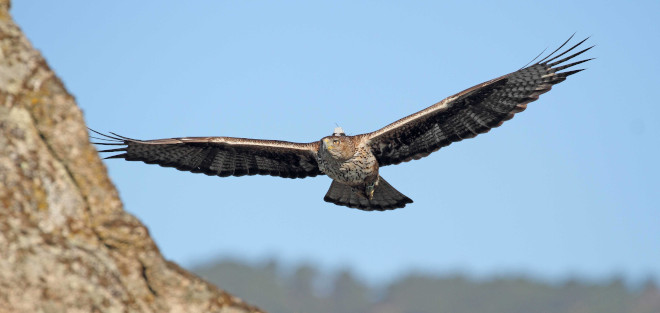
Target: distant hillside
(298, 292)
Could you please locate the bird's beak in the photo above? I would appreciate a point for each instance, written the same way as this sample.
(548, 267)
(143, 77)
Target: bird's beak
(326, 144)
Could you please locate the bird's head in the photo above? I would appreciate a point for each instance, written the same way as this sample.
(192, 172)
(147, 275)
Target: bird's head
(338, 146)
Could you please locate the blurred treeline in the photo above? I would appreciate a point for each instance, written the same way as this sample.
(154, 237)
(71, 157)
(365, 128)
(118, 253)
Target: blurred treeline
(304, 289)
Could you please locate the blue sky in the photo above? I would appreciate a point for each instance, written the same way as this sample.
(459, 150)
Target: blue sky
(569, 187)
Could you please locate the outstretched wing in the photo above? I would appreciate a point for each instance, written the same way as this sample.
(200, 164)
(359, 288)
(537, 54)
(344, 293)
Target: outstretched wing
(470, 112)
(221, 156)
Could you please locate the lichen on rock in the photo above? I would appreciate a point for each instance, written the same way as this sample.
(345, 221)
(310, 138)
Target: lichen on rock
(66, 244)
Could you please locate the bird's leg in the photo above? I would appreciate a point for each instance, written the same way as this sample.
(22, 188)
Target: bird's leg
(371, 187)
(369, 190)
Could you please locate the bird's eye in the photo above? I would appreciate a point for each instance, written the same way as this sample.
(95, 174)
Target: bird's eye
(335, 141)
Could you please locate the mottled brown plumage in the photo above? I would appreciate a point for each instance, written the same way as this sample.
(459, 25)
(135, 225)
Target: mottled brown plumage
(353, 162)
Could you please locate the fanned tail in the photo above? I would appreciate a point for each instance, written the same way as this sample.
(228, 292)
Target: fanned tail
(385, 197)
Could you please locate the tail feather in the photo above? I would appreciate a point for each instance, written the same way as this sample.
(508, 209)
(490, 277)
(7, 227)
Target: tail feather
(385, 197)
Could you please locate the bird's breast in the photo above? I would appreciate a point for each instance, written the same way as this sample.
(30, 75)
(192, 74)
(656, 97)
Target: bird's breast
(353, 171)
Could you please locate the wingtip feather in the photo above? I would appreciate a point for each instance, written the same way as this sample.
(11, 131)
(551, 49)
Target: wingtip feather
(559, 48)
(567, 51)
(569, 73)
(113, 150)
(557, 69)
(105, 135)
(569, 57)
(117, 156)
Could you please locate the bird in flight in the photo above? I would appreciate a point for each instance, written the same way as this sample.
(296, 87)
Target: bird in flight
(353, 162)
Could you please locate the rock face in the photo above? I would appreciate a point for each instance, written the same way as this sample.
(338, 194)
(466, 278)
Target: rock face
(66, 245)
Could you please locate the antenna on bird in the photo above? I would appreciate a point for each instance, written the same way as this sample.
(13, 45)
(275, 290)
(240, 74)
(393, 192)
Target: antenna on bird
(338, 132)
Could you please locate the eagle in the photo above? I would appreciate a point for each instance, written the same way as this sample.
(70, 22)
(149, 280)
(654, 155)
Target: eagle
(353, 162)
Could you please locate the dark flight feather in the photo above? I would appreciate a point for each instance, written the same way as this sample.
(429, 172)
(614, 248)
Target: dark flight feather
(221, 156)
(471, 112)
